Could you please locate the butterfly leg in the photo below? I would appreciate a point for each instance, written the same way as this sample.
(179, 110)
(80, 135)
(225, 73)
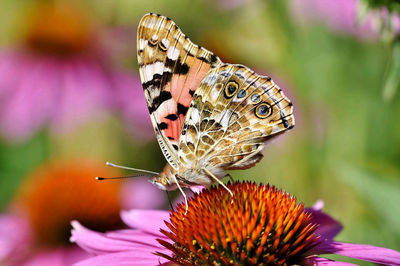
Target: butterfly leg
(218, 181)
(181, 190)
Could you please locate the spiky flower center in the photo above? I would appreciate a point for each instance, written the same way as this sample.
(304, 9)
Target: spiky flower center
(61, 191)
(260, 225)
(58, 29)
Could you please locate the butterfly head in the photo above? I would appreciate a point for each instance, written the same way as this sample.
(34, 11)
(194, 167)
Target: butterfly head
(165, 180)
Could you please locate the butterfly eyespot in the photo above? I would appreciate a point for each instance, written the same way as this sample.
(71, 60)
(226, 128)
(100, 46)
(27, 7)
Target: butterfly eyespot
(231, 88)
(241, 93)
(263, 110)
(255, 98)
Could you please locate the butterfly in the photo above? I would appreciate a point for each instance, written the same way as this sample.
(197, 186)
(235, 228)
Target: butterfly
(208, 116)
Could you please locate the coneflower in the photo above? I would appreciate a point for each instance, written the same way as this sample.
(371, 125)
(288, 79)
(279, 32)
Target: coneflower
(259, 225)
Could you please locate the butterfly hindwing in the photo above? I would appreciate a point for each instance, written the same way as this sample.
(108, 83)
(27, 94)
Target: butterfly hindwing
(233, 112)
(171, 68)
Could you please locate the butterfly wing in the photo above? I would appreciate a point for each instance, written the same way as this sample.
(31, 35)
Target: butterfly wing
(171, 68)
(233, 113)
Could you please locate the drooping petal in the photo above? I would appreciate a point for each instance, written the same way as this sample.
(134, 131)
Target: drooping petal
(57, 257)
(115, 241)
(150, 221)
(326, 262)
(362, 252)
(136, 236)
(328, 227)
(124, 258)
(98, 243)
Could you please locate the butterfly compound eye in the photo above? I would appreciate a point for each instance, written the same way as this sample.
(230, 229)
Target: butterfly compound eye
(263, 110)
(230, 89)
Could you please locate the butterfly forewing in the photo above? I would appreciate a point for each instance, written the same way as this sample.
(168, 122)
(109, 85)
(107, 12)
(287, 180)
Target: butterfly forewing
(233, 112)
(171, 68)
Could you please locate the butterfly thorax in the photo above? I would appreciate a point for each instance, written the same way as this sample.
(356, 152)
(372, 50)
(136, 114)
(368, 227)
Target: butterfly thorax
(185, 176)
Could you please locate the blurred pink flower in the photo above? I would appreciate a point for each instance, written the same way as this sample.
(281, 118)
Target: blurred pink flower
(138, 193)
(35, 230)
(176, 239)
(62, 74)
(129, 101)
(39, 90)
(342, 16)
(17, 246)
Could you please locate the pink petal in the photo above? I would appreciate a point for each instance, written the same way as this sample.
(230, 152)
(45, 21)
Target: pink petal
(197, 189)
(124, 258)
(363, 252)
(98, 243)
(328, 227)
(57, 257)
(326, 262)
(147, 220)
(137, 236)
(318, 205)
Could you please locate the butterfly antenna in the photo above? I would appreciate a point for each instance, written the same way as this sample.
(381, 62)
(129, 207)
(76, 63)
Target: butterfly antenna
(118, 177)
(131, 169)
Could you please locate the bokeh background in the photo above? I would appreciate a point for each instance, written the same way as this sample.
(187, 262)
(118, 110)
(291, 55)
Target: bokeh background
(71, 99)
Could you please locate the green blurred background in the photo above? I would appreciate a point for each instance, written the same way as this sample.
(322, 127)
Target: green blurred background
(344, 149)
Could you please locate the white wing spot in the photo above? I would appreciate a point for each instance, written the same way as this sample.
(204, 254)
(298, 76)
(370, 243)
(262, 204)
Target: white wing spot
(173, 53)
(165, 42)
(142, 44)
(154, 38)
(151, 69)
(214, 93)
(195, 116)
(225, 118)
(275, 129)
(210, 79)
